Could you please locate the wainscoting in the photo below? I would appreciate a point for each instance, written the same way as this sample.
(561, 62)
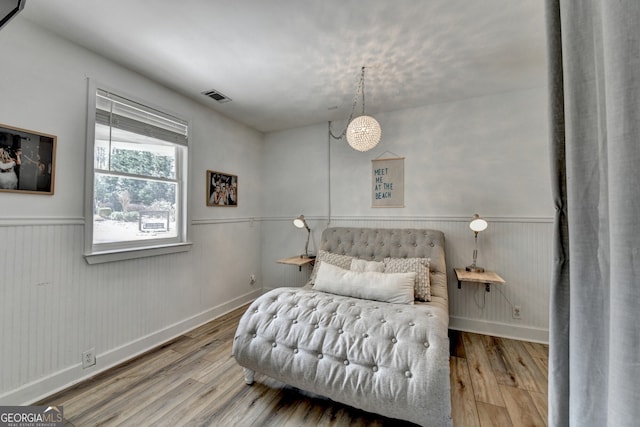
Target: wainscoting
(54, 305)
(519, 249)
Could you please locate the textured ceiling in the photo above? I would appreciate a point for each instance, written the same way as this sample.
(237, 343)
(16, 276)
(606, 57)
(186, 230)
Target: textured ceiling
(290, 63)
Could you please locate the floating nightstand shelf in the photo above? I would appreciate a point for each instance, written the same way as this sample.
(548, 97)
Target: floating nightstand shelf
(487, 277)
(297, 260)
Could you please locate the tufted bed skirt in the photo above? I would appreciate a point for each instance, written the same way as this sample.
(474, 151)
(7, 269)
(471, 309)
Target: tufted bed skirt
(390, 359)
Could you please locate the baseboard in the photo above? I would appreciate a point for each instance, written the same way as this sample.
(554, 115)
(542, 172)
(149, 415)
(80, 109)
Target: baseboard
(58, 381)
(496, 329)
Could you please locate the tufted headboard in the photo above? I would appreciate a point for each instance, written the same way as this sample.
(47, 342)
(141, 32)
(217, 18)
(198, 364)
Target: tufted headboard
(378, 243)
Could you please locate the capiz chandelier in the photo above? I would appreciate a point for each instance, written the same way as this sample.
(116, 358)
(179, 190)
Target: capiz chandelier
(363, 133)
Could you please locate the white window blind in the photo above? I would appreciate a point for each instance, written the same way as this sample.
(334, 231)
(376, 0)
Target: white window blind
(121, 113)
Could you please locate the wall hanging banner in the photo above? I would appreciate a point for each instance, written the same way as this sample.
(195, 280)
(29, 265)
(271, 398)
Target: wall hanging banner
(387, 179)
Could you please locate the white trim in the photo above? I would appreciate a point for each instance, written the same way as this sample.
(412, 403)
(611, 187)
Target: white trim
(65, 378)
(27, 221)
(89, 176)
(207, 221)
(292, 217)
(21, 221)
(497, 329)
(125, 254)
(515, 219)
(440, 219)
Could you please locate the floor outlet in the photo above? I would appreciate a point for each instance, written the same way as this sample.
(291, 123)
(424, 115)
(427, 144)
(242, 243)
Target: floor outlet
(88, 358)
(516, 312)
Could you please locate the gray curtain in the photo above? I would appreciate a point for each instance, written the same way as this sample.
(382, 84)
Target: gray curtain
(594, 75)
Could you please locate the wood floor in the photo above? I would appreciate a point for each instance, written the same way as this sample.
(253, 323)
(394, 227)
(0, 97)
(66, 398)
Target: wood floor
(194, 381)
(497, 381)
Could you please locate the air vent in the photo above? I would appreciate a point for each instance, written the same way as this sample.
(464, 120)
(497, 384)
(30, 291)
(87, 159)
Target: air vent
(216, 96)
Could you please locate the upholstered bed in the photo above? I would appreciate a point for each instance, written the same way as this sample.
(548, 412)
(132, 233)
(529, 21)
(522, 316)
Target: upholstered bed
(390, 358)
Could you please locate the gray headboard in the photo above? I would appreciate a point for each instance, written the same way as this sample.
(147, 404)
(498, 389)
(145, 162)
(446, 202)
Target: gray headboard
(378, 243)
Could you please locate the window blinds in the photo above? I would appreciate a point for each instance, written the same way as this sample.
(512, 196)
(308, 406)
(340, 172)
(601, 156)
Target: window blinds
(121, 113)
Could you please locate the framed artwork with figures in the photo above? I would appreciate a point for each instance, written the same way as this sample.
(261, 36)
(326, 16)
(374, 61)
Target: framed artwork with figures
(222, 189)
(27, 161)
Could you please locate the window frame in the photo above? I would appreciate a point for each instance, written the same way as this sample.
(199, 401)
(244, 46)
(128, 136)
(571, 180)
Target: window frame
(117, 251)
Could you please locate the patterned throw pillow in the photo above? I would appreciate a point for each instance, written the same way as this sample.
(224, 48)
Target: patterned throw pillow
(342, 261)
(420, 266)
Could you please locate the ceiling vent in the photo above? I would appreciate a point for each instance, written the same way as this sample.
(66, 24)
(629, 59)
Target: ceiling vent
(216, 96)
(9, 9)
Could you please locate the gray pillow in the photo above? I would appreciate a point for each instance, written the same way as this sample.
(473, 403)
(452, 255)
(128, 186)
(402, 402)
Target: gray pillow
(420, 266)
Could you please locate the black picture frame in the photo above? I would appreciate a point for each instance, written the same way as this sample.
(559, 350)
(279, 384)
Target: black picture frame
(222, 189)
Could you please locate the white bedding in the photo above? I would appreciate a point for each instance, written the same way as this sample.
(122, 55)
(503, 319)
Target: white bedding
(391, 359)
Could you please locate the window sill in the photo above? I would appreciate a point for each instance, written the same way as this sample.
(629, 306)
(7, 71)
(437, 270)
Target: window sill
(126, 254)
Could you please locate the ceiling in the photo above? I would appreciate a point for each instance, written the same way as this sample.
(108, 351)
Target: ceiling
(290, 63)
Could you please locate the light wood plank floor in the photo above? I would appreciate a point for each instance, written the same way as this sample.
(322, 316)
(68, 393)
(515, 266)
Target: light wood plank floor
(194, 381)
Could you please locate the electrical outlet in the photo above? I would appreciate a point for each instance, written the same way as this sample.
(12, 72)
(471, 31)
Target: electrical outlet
(252, 279)
(516, 312)
(88, 358)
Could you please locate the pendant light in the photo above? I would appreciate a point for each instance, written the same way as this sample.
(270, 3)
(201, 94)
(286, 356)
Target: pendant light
(363, 132)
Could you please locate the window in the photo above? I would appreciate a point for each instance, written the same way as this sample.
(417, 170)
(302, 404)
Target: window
(137, 180)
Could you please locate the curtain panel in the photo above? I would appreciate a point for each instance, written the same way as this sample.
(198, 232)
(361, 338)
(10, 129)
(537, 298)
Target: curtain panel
(594, 104)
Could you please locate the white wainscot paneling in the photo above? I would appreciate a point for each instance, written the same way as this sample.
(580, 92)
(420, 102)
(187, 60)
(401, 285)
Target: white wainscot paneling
(280, 239)
(54, 305)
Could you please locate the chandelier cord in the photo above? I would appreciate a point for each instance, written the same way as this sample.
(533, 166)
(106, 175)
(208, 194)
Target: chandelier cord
(359, 89)
(329, 173)
(362, 86)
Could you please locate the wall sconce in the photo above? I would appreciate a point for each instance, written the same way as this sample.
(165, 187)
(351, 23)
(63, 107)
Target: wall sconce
(300, 222)
(477, 225)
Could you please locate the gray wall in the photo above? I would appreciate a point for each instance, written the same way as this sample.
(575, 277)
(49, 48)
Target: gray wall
(487, 155)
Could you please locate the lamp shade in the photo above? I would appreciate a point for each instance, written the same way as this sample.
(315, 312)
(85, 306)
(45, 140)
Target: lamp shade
(300, 222)
(363, 133)
(478, 224)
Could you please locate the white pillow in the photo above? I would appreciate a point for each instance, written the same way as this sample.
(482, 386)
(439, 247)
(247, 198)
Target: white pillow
(343, 261)
(388, 287)
(364, 265)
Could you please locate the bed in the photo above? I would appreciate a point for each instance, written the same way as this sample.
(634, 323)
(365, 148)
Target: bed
(339, 336)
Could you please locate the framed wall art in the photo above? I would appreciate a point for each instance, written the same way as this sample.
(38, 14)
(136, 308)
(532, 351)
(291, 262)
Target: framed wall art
(222, 189)
(27, 161)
